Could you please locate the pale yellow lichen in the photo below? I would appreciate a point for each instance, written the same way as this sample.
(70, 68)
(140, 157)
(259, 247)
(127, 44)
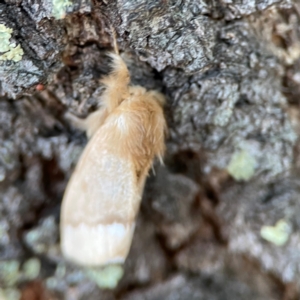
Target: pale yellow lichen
(11, 51)
(5, 35)
(59, 8)
(107, 277)
(14, 54)
(278, 234)
(242, 165)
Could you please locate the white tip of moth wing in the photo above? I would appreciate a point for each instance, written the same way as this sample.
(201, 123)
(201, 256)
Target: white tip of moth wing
(97, 245)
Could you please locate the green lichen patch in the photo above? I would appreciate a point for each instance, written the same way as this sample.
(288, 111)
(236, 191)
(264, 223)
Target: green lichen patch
(11, 51)
(31, 268)
(59, 8)
(107, 277)
(242, 165)
(43, 239)
(278, 234)
(9, 294)
(9, 272)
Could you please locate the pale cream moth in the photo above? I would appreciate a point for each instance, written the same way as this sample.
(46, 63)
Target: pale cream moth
(103, 196)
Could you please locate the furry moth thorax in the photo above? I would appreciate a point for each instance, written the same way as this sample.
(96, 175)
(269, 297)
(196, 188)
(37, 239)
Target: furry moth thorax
(103, 196)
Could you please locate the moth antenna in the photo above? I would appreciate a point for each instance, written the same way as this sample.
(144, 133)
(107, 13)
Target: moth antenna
(114, 37)
(116, 83)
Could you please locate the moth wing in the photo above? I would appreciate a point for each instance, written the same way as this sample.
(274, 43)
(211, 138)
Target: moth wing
(99, 206)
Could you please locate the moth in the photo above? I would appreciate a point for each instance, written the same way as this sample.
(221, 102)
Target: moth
(103, 196)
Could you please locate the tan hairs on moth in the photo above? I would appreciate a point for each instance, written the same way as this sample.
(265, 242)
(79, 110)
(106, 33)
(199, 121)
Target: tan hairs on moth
(104, 193)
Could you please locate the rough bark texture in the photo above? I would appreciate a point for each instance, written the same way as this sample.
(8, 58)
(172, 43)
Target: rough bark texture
(230, 72)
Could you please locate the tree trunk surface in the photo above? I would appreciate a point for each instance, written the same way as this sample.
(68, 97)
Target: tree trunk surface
(221, 219)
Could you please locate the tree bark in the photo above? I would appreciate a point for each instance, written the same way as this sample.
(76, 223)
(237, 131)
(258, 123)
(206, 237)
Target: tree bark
(220, 220)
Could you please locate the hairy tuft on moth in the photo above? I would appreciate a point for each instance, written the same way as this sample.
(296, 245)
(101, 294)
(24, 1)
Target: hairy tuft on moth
(103, 195)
